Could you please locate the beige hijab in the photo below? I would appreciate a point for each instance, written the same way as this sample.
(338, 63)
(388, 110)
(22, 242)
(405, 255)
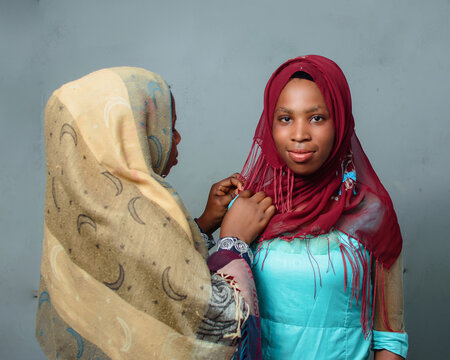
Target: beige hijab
(123, 267)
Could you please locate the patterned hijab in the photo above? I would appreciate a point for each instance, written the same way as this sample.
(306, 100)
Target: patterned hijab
(345, 193)
(123, 267)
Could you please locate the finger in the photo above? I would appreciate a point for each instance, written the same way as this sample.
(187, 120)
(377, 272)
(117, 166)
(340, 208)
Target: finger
(241, 180)
(266, 202)
(238, 183)
(221, 190)
(226, 199)
(224, 186)
(246, 194)
(231, 182)
(270, 211)
(259, 196)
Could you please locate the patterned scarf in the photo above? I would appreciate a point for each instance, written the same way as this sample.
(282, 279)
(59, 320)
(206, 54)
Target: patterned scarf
(123, 271)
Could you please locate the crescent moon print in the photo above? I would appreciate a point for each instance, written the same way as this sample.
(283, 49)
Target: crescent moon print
(115, 180)
(69, 130)
(110, 104)
(118, 283)
(126, 330)
(132, 210)
(79, 340)
(158, 147)
(54, 194)
(43, 298)
(55, 251)
(167, 287)
(153, 87)
(85, 220)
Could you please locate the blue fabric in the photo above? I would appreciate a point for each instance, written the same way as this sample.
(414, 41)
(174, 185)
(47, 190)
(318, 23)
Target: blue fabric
(394, 342)
(247, 349)
(295, 324)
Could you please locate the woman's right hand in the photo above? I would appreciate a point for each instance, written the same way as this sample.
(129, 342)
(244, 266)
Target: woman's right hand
(248, 216)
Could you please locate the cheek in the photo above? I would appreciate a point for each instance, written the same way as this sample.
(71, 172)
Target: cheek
(328, 140)
(279, 137)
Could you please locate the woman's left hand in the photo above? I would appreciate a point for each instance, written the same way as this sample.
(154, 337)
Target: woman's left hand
(220, 196)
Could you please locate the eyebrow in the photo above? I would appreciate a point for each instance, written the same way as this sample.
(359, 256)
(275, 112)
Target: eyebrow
(308, 111)
(283, 109)
(314, 109)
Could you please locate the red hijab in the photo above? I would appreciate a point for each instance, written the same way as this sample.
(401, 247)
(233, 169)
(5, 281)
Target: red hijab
(329, 198)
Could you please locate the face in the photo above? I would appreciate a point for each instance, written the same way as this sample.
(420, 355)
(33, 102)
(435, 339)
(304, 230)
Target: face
(176, 138)
(302, 128)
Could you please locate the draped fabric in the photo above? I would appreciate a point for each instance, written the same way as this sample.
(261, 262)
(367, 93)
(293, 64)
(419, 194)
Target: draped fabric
(123, 272)
(344, 194)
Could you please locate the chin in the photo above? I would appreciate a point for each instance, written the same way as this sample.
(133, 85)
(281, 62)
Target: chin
(302, 171)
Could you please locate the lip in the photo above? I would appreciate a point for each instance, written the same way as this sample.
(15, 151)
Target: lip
(300, 156)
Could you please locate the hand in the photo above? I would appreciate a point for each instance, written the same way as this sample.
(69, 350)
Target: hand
(248, 216)
(220, 196)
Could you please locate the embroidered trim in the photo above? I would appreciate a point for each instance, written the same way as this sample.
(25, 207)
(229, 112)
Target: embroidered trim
(242, 308)
(237, 246)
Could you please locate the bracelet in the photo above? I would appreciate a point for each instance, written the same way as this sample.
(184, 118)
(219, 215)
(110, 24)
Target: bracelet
(237, 246)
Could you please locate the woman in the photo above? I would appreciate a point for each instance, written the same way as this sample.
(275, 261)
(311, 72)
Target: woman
(123, 271)
(328, 270)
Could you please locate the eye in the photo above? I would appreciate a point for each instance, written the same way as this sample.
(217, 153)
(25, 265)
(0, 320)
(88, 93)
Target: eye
(317, 118)
(284, 119)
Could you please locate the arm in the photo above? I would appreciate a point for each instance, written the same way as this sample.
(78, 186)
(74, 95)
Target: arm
(237, 322)
(386, 355)
(389, 339)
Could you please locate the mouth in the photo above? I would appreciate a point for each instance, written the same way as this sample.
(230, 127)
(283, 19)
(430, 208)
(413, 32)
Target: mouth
(300, 156)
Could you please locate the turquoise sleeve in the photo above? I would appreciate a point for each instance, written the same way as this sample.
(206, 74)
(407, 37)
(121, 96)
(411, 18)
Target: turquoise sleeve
(396, 343)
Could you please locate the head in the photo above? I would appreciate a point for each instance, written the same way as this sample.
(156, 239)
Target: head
(176, 138)
(154, 112)
(302, 129)
(307, 121)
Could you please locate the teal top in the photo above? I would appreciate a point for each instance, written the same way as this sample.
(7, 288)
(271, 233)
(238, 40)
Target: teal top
(305, 311)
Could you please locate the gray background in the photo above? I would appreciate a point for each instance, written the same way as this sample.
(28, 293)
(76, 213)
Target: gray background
(218, 55)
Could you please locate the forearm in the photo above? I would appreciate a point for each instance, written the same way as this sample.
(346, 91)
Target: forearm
(390, 341)
(386, 355)
(231, 279)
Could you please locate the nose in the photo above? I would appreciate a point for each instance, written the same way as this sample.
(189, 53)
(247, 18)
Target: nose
(300, 131)
(176, 137)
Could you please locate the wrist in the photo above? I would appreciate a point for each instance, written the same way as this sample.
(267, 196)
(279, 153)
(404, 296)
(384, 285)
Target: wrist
(205, 225)
(230, 234)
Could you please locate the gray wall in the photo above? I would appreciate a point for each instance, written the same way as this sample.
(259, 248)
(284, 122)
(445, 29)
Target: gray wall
(218, 55)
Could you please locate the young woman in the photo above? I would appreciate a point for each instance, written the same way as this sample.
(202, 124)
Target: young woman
(123, 271)
(328, 267)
